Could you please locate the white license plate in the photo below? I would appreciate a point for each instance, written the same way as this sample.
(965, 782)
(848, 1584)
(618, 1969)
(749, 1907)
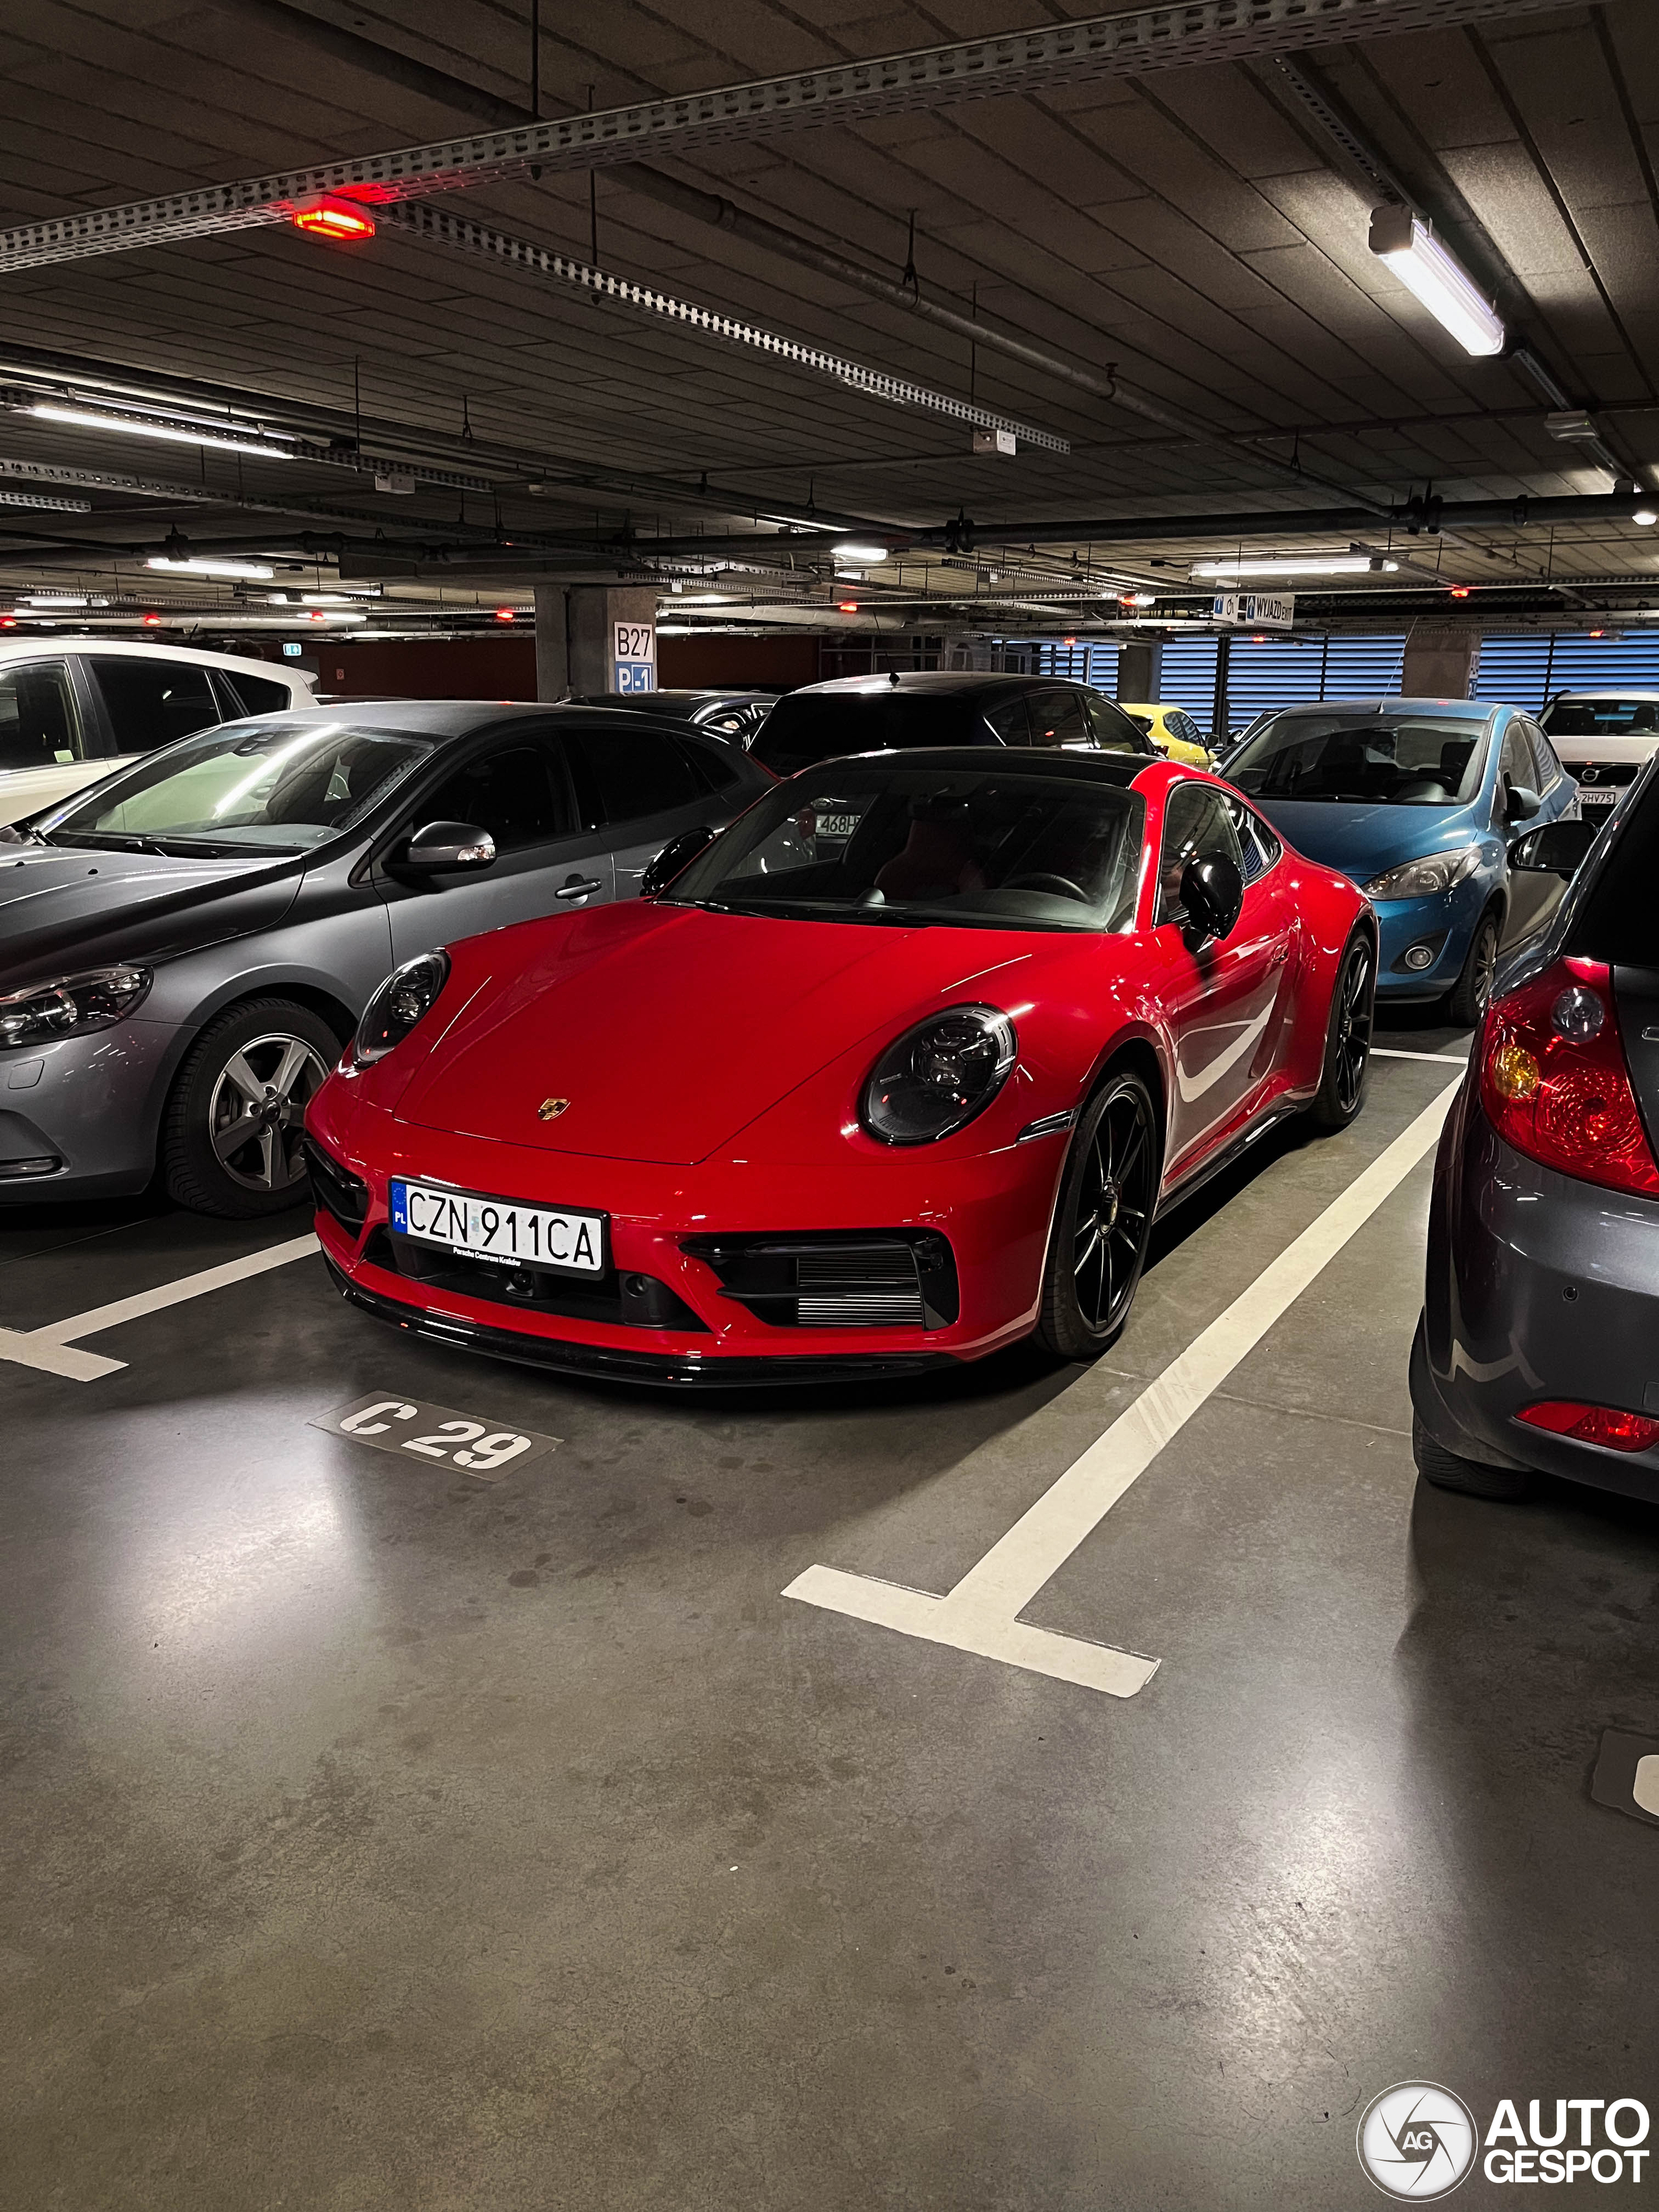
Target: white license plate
(837, 825)
(1598, 797)
(497, 1229)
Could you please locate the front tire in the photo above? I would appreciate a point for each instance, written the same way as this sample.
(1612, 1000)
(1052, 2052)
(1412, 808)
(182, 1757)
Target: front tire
(1347, 1036)
(1469, 993)
(1102, 1220)
(231, 1134)
(1450, 1471)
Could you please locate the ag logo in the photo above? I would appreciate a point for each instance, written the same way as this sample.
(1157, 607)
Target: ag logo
(1417, 2141)
(551, 1108)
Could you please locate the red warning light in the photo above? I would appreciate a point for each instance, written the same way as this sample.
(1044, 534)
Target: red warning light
(1598, 632)
(1068, 640)
(8, 622)
(328, 217)
(506, 614)
(151, 622)
(847, 606)
(1460, 590)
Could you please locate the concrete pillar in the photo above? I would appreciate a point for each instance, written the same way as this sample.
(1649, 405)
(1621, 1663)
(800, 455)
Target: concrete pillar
(597, 613)
(552, 642)
(1140, 672)
(1440, 662)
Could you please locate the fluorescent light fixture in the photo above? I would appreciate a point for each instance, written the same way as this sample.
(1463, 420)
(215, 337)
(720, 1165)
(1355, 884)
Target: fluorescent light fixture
(1334, 564)
(253, 572)
(855, 549)
(1423, 265)
(59, 599)
(138, 426)
(1646, 516)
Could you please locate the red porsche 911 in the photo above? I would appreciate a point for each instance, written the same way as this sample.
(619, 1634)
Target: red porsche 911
(895, 1071)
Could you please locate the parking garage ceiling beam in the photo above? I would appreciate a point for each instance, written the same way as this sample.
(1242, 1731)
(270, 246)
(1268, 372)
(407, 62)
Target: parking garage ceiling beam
(1192, 33)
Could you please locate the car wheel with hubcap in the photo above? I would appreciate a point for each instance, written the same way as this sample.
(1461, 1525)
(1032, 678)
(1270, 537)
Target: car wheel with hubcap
(1103, 1221)
(1448, 1470)
(1469, 994)
(1348, 1037)
(231, 1138)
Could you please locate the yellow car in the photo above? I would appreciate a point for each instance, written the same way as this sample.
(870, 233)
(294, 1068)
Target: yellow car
(1172, 730)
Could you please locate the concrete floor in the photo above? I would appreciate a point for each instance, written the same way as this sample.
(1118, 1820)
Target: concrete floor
(377, 1838)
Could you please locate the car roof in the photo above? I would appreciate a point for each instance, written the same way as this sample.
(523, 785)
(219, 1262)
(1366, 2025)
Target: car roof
(442, 718)
(1607, 691)
(1473, 710)
(932, 679)
(32, 646)
(639, 702)
(1118, 768)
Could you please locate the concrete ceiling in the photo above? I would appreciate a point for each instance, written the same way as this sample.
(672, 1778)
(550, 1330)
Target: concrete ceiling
(1195, 232)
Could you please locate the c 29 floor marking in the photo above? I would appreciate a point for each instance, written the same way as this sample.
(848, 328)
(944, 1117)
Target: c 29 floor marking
(981, 1613)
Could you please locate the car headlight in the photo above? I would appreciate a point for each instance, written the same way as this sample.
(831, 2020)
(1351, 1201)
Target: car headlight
(406, 998)
(936, 1076)
(1434, 873)
(72, 1005)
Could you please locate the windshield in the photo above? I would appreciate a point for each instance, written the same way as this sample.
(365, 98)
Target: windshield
(1601, 718)
(808, 726)
(866, 843)
(1365, 756)
(270, 786)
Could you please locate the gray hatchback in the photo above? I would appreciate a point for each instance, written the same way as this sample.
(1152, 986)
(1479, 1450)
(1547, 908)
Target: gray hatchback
(1536, 1353)
(186, 946)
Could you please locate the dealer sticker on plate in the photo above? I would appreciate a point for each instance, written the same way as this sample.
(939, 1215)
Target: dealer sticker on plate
(499, 1229)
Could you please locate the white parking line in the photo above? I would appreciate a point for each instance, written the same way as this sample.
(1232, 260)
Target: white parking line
(52, 1348)
(979, 1615)
(1458, 1053)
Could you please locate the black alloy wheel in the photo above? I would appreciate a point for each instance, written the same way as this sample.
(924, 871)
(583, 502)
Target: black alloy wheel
(231, 1136)
(1469, 994)
(1348, 1036)
(1103, 1220)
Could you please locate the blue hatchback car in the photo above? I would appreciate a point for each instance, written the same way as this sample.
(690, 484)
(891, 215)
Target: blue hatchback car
(1419, 801)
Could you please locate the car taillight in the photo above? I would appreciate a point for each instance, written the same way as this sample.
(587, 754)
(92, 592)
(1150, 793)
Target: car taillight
(1592, 1424)
(1553, 1080)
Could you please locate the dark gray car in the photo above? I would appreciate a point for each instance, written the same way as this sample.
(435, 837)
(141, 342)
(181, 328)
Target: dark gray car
(184, 947)
(1535, 1350)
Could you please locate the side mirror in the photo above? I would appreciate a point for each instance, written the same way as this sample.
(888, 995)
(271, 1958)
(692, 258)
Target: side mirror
(674, 858)
(1557, 849)
(1522, 804)
(440, 845)
(1212, 892)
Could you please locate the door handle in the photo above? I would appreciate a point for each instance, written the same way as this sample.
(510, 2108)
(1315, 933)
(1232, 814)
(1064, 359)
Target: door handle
(579, 887)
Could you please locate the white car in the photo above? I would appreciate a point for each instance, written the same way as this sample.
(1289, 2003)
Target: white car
(1603, 739)
(70, 713)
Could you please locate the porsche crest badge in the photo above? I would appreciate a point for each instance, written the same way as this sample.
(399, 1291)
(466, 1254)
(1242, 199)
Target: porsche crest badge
(551, 1108)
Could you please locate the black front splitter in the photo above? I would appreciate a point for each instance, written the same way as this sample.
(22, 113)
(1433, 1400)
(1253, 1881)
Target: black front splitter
(672, 1371)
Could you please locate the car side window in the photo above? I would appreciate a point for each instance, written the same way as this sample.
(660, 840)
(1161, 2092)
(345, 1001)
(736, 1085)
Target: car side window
(1008, 718)
(1516, 764)
(1196, 826)
(717, 768)
(252, 695)
(1114, 732)
(515, 792)
(1184, 727)
(151, 702)
(624, 774)
(39, 726)
(1550, 770)
(1057, 719)
(1256, 842)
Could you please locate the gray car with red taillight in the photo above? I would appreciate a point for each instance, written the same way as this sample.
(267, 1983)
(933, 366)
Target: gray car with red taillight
(1536, 1353)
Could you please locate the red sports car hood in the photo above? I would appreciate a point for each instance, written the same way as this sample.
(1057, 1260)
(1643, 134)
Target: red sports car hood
(667, 1029)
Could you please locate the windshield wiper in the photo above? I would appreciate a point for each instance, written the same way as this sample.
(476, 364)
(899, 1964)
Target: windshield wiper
(116, 841)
